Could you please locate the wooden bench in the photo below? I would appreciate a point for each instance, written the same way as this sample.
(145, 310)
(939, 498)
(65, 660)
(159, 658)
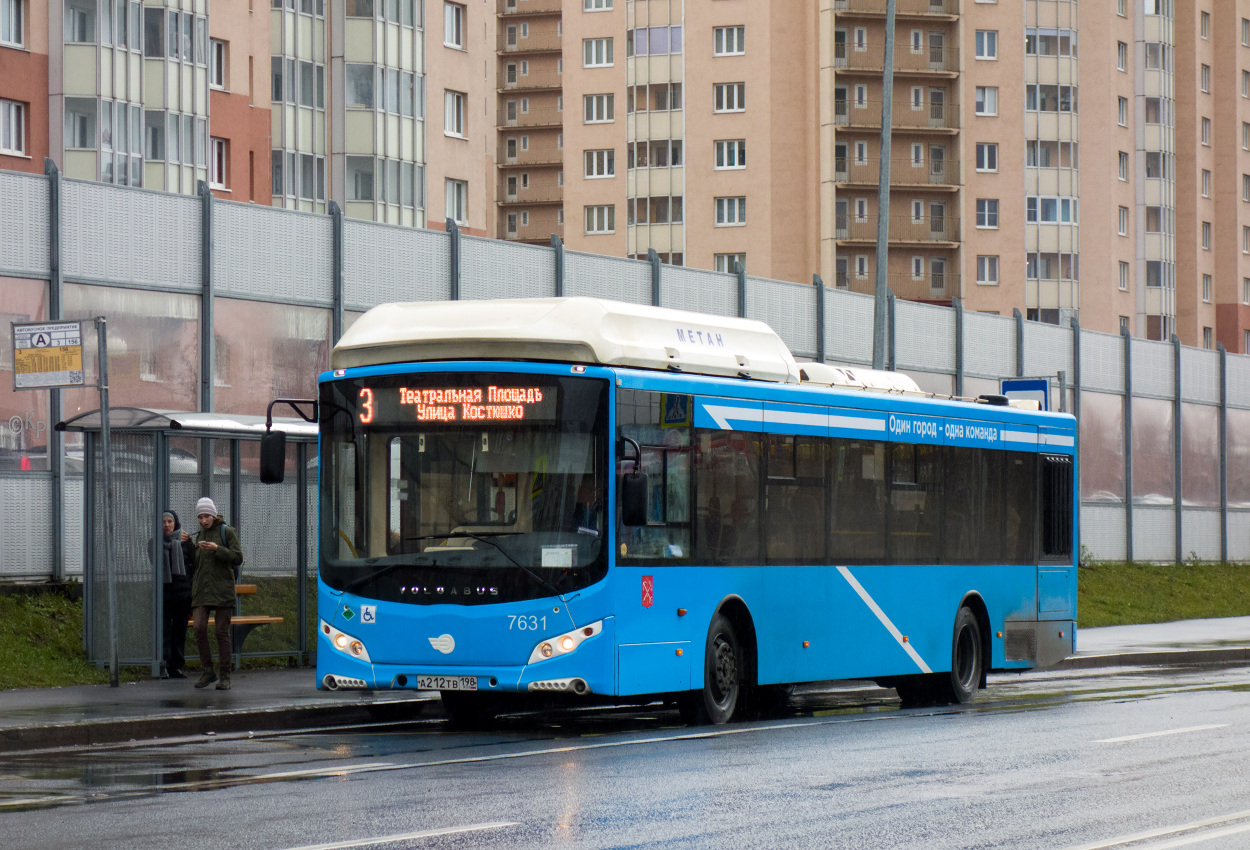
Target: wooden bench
(242, 625)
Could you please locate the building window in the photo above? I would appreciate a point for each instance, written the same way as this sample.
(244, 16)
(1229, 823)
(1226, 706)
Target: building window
(731, 211)
(1245, 83)
(917, 268)
(1123, 325)
(987, 44)
(596, 5)
(731, 153)
(1245, 290)
(359, 176)
(861, 39)
(217, 163)
(861, 97)
(1245, 32)
(861, 153)
(1245, 239)
(1204, 24)
(917, 211)
(596, 52)
(1124, 268)
(1123, 170)
(729, 262)
(601, 219)
(729, 41)
(1206, 183)
(1207, 336)
(600, 108)
(1123, 221)
(861, 266)
(861, 209)
(217, 63)
(1050, 98)
(987, 100)
(12, 30)
(1121, 115)
(1204, 76)
(1206, 131)
(987, 212)
(1206, 236)
(987, 269)
(729, 97)
(12, 127)
(454, 113)
(917, 155)
(1050, 210)
(653, 41)
(1121, 56)
(1049, 42)
(458, 201)
(80, 122)
(80, 21)
(1206, 288)
(453, 25)
(987, 156)
(600, 163)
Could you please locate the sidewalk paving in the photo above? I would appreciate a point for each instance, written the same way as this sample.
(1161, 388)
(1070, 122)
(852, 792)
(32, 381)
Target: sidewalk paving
(270, 700)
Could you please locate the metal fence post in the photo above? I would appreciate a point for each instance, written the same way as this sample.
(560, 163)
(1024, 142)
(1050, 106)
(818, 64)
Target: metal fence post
(891, 305)
(1128, 445)
(206, 286)
(336, 270)
(742, 289)
(1178, 493)
(821, 300)
(958, 304)
(1076, 408)
(56, 401)
(656, 268)
(453, 232)
(1019, 317)
(301, 555)
(557, 248)
(1223, 354)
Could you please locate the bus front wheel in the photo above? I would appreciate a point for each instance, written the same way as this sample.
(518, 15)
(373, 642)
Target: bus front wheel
(722, 677)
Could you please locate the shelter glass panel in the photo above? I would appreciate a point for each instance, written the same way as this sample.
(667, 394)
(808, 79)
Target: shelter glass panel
(1238, 439)
(1200, 455)
(1154, 452)
(267, 351)
(24, 422)
(1102, 447)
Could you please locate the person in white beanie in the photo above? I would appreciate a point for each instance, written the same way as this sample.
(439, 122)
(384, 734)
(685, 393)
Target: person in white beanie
(217, 553)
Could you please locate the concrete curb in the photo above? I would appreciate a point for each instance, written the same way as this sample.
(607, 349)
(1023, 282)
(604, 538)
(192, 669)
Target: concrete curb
(93, 732)
(1158, 658)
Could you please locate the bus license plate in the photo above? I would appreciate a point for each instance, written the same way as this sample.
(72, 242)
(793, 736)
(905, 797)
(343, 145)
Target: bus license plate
(447, 683)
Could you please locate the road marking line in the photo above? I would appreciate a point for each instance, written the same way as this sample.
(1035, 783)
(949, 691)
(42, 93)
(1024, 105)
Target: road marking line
(1199, 837)
(885, 621)
(407, 836)
(1169, 830)
(1161, 734)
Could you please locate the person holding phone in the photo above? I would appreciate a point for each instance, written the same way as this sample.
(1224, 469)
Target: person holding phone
(217, 553)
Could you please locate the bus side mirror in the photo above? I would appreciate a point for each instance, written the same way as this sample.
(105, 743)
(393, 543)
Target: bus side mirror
(634, 498)
(272, 457)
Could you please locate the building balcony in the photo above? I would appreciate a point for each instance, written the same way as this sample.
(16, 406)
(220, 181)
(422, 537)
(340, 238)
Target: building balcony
(536, 156)
(866, 115)
(511, 115)
(546, 42)
(943, 61)
(902, 8)
(545, 79)
(904, 230)
(531, 198)
(904, 173)
(520, 8)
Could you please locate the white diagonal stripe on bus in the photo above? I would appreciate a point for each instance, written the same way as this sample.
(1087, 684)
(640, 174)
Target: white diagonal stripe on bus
(885, 621)
(721, 415)
(1019, 437)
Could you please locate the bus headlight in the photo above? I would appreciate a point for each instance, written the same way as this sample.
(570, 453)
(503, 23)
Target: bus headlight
(565, 643)
(345, 643)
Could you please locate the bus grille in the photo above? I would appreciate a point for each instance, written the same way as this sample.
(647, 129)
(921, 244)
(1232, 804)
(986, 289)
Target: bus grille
(1020, 643)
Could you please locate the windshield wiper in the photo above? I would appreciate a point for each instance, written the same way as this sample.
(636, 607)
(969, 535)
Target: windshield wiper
(532, 574)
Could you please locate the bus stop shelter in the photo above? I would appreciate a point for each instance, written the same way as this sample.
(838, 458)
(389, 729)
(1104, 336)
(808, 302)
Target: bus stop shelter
(166, 460)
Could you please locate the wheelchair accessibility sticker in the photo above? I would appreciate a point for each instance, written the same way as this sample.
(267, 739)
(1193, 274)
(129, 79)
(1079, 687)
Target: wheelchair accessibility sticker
(368, 614)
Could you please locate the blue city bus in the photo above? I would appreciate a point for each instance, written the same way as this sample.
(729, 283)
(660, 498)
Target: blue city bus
(534, 501)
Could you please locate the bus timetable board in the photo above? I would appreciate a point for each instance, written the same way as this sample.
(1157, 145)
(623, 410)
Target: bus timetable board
(47, 354)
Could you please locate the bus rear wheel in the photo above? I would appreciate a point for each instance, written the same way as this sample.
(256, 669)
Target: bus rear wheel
(967, 669)
(723, 668)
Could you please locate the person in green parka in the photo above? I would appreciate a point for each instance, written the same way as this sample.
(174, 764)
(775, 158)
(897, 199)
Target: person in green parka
(217, 553)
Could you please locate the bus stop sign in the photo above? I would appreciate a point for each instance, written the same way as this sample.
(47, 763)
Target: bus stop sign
(1037, 389)
(47, 354)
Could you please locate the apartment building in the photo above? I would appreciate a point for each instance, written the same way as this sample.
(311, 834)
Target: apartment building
(716, 133)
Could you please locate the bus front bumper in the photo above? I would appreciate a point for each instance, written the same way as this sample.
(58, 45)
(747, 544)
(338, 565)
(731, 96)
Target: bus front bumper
(591, 669)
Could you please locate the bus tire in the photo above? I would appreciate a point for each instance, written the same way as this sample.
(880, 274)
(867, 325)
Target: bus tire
(967, 660)
(469, 711)
(723, 669)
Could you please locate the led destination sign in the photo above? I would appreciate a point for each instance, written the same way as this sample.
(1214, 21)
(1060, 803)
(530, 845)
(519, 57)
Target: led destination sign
(457, 404)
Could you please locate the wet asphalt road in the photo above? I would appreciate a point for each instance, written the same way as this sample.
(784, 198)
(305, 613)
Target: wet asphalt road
(1045, 760)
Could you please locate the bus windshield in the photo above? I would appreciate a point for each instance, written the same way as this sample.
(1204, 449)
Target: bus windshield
(463, 487)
